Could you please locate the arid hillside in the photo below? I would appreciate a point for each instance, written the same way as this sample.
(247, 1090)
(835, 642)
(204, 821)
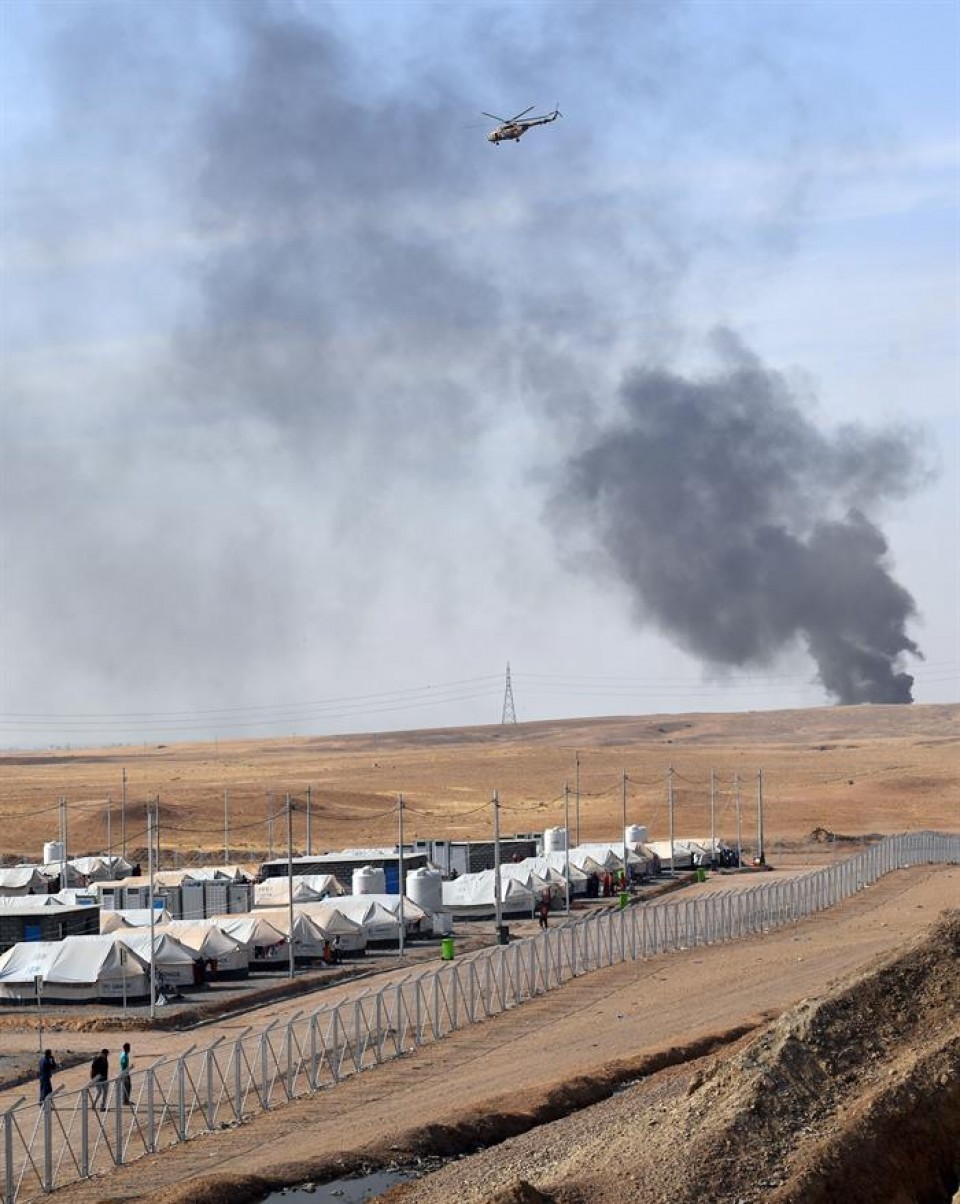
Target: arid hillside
(850, 770)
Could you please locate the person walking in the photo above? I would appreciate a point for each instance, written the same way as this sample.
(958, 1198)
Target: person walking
(45, 1071)
(543, 910)
(99, 1073)
(125, 1065)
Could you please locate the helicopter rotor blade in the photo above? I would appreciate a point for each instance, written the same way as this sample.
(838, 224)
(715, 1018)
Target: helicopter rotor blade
(523, 114)
(494, 117)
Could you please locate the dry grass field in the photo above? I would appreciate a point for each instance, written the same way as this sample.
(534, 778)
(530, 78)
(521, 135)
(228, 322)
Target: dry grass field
(849, 770)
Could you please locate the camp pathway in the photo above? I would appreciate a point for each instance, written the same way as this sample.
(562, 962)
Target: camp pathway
(615, 1013)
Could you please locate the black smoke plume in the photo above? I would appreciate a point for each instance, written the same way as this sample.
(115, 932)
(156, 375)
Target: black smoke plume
(740, 527)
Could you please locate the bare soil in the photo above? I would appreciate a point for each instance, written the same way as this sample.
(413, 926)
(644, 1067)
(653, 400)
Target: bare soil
(846, 770)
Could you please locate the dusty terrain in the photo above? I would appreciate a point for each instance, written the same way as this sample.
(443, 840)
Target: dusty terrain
(846, 770)
(591, 1092)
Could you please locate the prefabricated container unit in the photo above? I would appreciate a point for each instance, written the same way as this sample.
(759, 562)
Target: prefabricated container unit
(53, 852)
(635, 834)
(369, 880)
(425, 888)
(239, 896)
(134, 897)
(192, 895)
(172, 897)
(554, 840)
(215, 898)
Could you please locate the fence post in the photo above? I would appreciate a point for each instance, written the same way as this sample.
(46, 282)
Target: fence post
(48, 1143)
(84, 1132)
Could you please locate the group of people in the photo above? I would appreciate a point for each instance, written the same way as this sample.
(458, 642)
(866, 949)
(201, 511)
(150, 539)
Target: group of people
(99, 1076)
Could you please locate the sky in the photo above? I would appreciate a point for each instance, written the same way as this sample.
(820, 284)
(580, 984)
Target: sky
(319, 408)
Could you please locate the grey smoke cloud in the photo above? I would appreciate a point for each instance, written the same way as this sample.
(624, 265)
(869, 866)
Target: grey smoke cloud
(740, 527)
(295, 337)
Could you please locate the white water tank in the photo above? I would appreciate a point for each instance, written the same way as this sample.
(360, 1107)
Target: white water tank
(425, 888)
(370, 880)
(635, 834)
(52, 852)
(554, 840)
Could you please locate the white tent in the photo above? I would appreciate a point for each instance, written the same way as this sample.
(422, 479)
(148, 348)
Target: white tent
(377, 923)
(308, 937)
(334, 924)
(131, 917)
(415, 917)
(101, 869)
(553, 867)
(228, 955)
(682, 856)
(473, 895)
(307, 888)
(23, 880)
(78, 969)
(263, 942)
(173, 961)
(25, 904)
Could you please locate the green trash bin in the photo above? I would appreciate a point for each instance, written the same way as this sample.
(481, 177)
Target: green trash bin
(624, 899)
(446, 948)
(701, 875)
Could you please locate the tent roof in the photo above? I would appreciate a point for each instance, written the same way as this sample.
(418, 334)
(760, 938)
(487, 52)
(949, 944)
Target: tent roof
(203, 936)
(248, 929)
(167, 950)
(472, 890)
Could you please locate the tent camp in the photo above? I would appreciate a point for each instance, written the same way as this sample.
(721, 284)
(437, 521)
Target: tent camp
(682, 855)
(222, 953)
(307, 888)
(472, 895)
(78, 969)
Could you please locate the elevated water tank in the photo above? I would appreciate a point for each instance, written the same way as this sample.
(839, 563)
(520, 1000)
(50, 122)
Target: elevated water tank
(635, 834)
(425, 888)
(554, 840)
(369, 880)
(52, 852)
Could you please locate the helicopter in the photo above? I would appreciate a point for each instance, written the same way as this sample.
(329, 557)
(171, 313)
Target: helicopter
(513, 128)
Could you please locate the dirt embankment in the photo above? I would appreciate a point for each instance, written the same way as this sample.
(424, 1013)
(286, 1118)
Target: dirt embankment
(854, 1096)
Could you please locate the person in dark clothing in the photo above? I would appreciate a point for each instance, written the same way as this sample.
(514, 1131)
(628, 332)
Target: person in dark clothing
(543, 910)
(99, 1073)
(45, 1071)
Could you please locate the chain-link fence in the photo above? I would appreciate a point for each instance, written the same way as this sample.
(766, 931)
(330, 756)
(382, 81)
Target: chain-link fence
(67, 1138)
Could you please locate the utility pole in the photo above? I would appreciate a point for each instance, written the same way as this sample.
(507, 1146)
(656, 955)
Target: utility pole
(670, 809)
(62, 805)
(123, 813)
(566, 840)
(736, 799)
(226, 827)
(309, 821)
(761, 859)
(156, 828)
(153, 957)
(578, 800)
(269, 825)
(626, 865)
(496, 865)
(400, 871)
(713, 818)
(290, 880)
(109, 822)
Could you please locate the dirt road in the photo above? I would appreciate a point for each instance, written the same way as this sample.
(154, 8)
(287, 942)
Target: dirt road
(484, 1079)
